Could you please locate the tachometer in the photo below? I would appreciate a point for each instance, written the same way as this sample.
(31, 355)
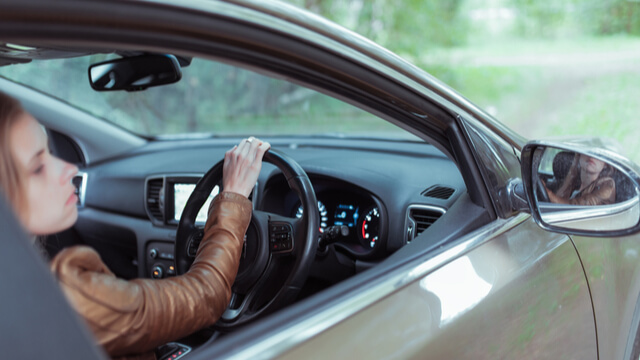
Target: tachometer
(323, 215)
(370, 227)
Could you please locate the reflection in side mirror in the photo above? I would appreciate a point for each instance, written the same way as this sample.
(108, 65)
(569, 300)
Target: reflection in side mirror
(134, 73)
(581, 189)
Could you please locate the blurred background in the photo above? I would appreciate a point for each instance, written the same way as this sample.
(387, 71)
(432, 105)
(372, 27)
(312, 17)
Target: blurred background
(545, 68)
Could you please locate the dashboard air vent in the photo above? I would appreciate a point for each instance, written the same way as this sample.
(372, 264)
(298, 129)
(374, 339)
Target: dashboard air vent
(155, 198)
(439, 192)
(420, 218)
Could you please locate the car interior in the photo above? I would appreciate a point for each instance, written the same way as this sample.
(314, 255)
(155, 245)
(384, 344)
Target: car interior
(383, 194)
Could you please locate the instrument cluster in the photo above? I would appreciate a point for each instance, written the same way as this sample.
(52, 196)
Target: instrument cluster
(339, 204)
(363, 222)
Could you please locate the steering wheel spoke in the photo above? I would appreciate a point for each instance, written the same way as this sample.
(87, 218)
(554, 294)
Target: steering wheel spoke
(237, 306)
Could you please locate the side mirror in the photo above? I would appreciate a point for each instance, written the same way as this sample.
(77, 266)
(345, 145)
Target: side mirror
(579, 188)
(134, 73)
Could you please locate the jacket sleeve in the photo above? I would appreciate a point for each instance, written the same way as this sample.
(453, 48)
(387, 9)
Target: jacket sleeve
(600, 192)
(129, 317)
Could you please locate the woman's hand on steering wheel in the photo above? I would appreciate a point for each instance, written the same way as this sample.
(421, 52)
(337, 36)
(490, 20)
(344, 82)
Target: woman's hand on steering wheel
(242, 165)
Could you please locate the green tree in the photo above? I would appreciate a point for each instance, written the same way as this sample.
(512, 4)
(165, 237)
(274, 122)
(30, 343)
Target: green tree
(405, 27)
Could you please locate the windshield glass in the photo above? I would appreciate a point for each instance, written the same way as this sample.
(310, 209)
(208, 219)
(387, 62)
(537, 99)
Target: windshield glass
(211, 98)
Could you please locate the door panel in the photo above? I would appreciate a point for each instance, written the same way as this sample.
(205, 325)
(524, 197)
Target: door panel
(522, 294)
(612, 269)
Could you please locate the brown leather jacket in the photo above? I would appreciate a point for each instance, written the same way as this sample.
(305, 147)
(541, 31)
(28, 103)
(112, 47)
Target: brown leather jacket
(600, 192)
(134, 317)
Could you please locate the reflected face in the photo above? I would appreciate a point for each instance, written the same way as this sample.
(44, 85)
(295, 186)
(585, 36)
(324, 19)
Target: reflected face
(49, 193)
(590, 165)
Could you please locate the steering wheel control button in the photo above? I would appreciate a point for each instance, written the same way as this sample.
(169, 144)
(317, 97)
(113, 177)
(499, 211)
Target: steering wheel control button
(280, 237)
(194, 243)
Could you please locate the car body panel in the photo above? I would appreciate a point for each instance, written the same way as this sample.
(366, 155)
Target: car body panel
(498, 164)
(611, 265)
(505, 297)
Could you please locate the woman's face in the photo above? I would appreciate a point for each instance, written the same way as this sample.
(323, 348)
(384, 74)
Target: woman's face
(50, 197)
(590, 165)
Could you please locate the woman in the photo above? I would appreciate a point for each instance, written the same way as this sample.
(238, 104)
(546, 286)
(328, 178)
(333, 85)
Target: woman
(127, 317)
(589, 182)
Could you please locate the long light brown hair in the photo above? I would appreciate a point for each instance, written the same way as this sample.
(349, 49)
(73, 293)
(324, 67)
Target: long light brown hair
(573, 182)
(11, 175)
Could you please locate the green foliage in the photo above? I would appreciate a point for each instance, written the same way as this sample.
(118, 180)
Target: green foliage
(423, 24)
(409, 26)
(400, 26)
(544, 67)
(606, 106)
(540, 18)
(613, 17)
(549, 18)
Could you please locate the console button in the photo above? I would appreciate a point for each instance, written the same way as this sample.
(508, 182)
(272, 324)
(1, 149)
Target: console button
(157, 272)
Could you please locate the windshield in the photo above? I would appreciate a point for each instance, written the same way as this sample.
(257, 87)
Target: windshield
(212, 99)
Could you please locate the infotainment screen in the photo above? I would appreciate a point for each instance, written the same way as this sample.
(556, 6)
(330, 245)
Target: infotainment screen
(181, 193)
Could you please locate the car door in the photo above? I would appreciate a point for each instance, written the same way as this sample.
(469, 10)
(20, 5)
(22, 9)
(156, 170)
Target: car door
(611, 266)
(508, 290)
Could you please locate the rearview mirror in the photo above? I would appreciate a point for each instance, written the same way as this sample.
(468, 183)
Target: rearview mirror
(134, 73)
(581, 189)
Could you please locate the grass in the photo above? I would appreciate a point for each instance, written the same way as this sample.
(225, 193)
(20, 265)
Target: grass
(606, 106)
(548, 88)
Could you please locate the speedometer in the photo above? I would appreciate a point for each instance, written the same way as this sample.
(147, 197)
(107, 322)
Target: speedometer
(323, 215)
(370, 227)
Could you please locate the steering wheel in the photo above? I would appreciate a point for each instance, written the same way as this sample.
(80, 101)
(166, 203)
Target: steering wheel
(541, 191)
(278, 251)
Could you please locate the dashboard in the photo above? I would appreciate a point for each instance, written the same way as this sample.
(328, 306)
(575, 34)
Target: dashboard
(379, 192)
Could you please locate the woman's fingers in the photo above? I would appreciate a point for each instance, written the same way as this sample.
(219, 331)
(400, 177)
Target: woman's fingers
(242, 165)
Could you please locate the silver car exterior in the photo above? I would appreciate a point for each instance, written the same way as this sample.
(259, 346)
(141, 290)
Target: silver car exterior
(507, 290)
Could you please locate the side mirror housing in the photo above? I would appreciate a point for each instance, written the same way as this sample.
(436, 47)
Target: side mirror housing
(581, 188)
(134, 73)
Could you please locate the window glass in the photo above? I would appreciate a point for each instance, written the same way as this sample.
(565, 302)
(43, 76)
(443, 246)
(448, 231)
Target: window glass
(211, 98)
